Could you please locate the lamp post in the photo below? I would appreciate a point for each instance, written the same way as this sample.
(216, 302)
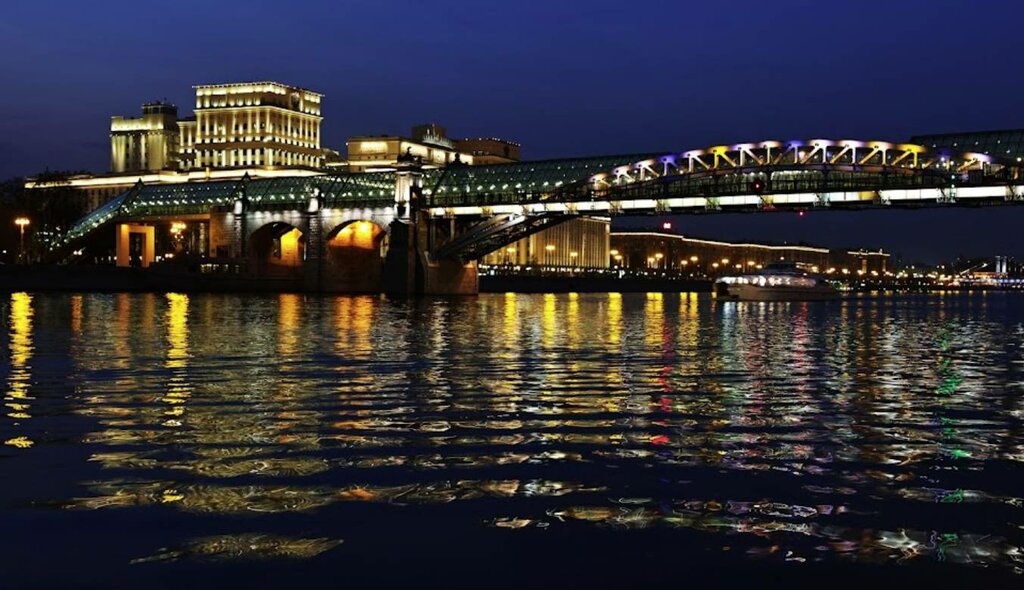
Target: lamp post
(21, 222)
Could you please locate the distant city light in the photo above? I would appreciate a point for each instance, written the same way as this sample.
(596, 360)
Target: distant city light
(666, 225)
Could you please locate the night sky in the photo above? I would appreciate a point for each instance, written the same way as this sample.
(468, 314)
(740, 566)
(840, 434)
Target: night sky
(562, 78)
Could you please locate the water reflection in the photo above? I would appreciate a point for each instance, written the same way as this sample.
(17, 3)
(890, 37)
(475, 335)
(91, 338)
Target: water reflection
(178, 386)
(17, 400)
(866, 430)
(246, 546)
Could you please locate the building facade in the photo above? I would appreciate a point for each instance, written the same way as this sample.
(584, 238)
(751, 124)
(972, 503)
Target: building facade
(489, 150)
(582, 242)
(663, 251)
(247, 125)
(259, 124)
(145, 144)
(428, 143)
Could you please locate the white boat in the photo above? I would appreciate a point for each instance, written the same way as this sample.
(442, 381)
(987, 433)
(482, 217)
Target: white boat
(777, 281)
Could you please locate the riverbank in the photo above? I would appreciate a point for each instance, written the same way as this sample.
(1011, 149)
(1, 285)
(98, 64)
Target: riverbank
(97, 278)
(589, 284)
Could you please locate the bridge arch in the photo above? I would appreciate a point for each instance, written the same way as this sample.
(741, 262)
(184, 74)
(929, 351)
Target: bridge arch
(277, 249)
(354, 253)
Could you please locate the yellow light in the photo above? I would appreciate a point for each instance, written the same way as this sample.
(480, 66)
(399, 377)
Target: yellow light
(725, 261)
(614, 252)
(751, 263)
(618, 257)
(659, 255)
(714, 264)
(550, 247)
(694, 259)
(510, 250)
(364, 227)
(573, 254)
(22, 221)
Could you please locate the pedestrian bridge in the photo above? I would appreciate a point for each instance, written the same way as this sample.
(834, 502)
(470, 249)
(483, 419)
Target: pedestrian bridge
(460, 213)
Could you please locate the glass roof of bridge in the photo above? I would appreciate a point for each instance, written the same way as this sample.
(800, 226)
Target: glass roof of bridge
(521, 177)
(339, 189)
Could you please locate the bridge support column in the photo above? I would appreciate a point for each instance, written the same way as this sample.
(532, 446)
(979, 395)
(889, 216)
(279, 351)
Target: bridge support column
(313, 267)
(147, 252)
(409, 269)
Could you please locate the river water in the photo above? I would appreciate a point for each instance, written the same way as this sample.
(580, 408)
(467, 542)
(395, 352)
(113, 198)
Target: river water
(186, 441)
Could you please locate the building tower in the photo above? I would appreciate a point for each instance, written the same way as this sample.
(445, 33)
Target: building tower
(147, 143)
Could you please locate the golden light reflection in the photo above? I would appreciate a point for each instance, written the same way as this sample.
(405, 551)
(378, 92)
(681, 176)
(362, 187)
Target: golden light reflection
(353, 323)
(76, 315)
(549, 320)
(572, 320)
(17, 398)
(510, 321)
(654, 320)
(614, 318)
(442, 402)
(178, 386)
(288, 323)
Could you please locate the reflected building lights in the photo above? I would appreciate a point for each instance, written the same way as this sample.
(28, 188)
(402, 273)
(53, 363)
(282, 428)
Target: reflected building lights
(17, 398)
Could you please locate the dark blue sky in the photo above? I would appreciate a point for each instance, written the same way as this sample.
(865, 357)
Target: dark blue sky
(562, 78)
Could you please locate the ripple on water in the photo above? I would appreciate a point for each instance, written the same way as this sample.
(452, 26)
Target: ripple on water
(872, 431)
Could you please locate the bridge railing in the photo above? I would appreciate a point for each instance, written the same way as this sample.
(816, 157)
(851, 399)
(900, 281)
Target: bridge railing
(760, 180)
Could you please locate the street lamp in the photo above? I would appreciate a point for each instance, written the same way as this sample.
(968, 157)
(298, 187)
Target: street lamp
(21, 222)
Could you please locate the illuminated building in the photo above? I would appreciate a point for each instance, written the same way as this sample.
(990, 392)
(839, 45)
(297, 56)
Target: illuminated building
(489, 150)
(265, 124)
(147, 143)
(428, 143)
(431, 145)
(581, 242)
(671, 252)
(259, 129)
